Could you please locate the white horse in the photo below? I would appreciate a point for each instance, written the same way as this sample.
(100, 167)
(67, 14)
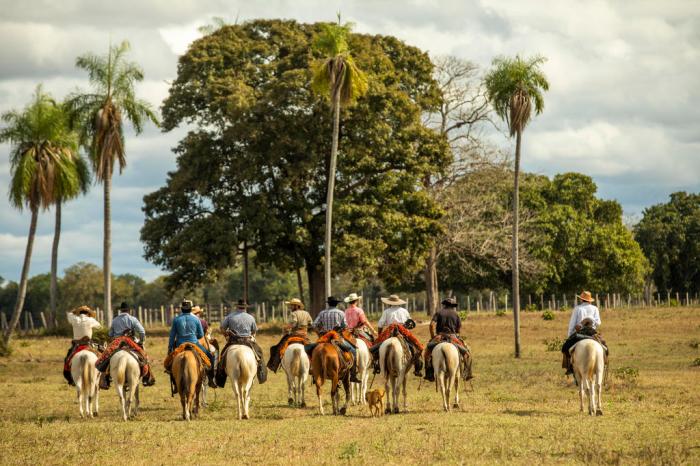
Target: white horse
(241, 368)
(588, 359)
(124, 369)
(363, 363)
(296, 365)
(394, 365)
(86, 378)
(214, 352)
(447, 372)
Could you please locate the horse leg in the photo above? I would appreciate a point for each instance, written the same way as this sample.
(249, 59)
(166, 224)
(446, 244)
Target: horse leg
(346, 388)
(122, 399)
(79, 389)
(319, 382)
(95, 395)
(599, 386)
(457, 376)
(291, 389)
(404, 379)
(246, 399)
(389, 395)
(441, 376)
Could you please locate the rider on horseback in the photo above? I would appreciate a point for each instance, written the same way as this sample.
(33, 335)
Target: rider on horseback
(82, 319)
(396, 319)
(187, 328)
(240, 328)
(197, 312)
(298, 325)
(356, 319)
(122, 331)
(444, 327)
(584, 323)
(329, 319)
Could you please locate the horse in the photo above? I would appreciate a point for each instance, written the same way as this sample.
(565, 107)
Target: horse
(296, 365)
(393, 365)
(213, 346)
(363, 363)
(447, 372)
(326, 365)
(188, 374)
(241, 367)
(87, 380)
(588, 360)
(124, 368)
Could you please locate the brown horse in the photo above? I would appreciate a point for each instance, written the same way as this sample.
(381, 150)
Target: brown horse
(326, 365)
(188, 373)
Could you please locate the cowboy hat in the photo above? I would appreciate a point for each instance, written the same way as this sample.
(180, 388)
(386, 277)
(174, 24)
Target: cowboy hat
(393, 300)
(295, 302)
(123, 307)
(449, 302)
(332, 301)
(186, 305)
(196, 310)
(586, 296)
(352, 297)
(241, 304)
(78, 310)
(410, 324)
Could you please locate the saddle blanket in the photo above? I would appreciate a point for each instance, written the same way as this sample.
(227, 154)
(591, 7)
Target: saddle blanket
(291, 340)
(203, 359)
(76, 350)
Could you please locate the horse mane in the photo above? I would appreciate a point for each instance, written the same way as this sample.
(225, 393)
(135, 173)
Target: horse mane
(329, 337)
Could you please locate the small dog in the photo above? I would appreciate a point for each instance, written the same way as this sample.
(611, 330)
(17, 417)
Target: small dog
(375, 401)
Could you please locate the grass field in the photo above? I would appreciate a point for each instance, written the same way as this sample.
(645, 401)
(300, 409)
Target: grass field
(522, 411)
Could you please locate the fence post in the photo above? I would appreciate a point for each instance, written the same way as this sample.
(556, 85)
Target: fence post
(505, 299)
(469, 304)
(3, 320)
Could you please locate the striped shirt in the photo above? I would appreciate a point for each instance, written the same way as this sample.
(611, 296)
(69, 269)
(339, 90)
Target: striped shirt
(328, 319)
(240, 323)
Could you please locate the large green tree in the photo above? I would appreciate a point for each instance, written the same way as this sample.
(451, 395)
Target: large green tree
(100, 115)
(254, 166)
(337, 78)
(514, 87)
(669, 235)
(42, 154)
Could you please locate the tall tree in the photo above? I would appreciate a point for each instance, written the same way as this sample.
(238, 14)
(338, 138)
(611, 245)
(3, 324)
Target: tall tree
(514, 86)
(100, 116)
(42, 149)
(253, 160)
(66, 189)
(338, 78)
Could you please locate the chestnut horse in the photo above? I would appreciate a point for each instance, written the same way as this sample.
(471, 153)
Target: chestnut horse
(326, 365)
(188, 374)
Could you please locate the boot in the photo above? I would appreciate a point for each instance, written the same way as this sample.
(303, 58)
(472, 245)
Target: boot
(148, 380)
(69, 378)
(173, 385)
(353, 374)
(566, 364)
(220, 377)
(429, 372)
(104, 380)
(418, 367)
(375, 366)
(262, 373)
(211, 376)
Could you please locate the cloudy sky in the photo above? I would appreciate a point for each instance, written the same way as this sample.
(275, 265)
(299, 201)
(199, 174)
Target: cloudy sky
(624, 103)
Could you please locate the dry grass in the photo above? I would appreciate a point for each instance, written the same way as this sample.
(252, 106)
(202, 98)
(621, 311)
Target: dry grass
(518, 412)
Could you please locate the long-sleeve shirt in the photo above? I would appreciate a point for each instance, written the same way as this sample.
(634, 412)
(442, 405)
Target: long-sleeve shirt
(82, 325)
(125, 321)
(355, 317)
(186, 328)
(581, 312)
(240, 323)
(393, 315)
(300, 321)
(328, 319)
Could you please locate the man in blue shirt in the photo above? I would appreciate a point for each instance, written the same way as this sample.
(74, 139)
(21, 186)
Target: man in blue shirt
(187, 328)
(240, 328)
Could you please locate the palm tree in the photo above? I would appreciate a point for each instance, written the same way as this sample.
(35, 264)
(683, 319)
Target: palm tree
(514, 86)
(42, 152)
(66, 189)
(99, 116)
(338, 78)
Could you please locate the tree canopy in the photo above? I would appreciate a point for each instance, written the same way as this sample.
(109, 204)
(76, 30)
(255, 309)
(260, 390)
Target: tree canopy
(253, 166)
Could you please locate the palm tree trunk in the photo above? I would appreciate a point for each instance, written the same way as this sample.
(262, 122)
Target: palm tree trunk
(431, 282)
(22, 291)
(516, 220)
(54, 265)
(245, 272)
(107, 251)
(331, 188)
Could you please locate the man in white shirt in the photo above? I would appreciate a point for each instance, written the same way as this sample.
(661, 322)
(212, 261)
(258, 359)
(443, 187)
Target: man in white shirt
(584, 323)
(82, 319)
(397, 318)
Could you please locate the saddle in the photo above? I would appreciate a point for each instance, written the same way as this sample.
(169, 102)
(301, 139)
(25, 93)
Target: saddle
(201, 357)
(334, 338)
(83, 344)
(123, 343)
(362, 334)
(291, 340)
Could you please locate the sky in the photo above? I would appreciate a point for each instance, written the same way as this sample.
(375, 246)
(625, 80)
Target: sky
(623, 105)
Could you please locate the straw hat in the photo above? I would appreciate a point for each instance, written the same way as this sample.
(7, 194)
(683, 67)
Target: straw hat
(80, 309)
(393, 300)
(586, 296)
(352, 297)
(196, 310)
(296, 302)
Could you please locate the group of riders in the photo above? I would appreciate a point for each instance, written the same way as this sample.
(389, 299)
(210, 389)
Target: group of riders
(346, 326)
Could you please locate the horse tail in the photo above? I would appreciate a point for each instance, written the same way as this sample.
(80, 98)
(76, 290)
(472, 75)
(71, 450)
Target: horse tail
(295, 367)
(86, 375)
(390, 370)
(184, 373)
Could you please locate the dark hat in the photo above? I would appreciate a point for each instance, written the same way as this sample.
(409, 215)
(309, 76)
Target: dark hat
(241, 304)
(186, 305)
(124, 307)
(332, 301)
(449, 302)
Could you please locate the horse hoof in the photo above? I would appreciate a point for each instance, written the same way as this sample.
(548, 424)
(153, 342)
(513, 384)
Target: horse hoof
(245, 416)
(396, 410)
(387, 411)
(599, 412)
(303, 404)
(343, 411)
(455, 406)
(290, 402)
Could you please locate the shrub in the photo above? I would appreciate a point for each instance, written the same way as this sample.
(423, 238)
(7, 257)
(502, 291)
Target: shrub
(553, 344)
(695, 344)
(531, 307)
(101, 335)
(500, 312)
(673, 303)
(627, 374)
(696, 362)
(463, 315)
(5, 350)
(548, 315)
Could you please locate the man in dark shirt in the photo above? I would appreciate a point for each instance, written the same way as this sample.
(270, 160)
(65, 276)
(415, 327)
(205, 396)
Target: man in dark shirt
(444, 327)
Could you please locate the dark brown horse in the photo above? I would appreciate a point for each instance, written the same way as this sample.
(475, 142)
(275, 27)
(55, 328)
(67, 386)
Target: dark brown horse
(326, 365)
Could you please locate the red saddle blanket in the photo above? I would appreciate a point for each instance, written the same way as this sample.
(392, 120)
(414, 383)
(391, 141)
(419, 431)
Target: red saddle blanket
(76, 350)
(388, 331)
(291, 340)
(123, 343)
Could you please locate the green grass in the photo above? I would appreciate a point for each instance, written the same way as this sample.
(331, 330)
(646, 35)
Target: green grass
(518, 411)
